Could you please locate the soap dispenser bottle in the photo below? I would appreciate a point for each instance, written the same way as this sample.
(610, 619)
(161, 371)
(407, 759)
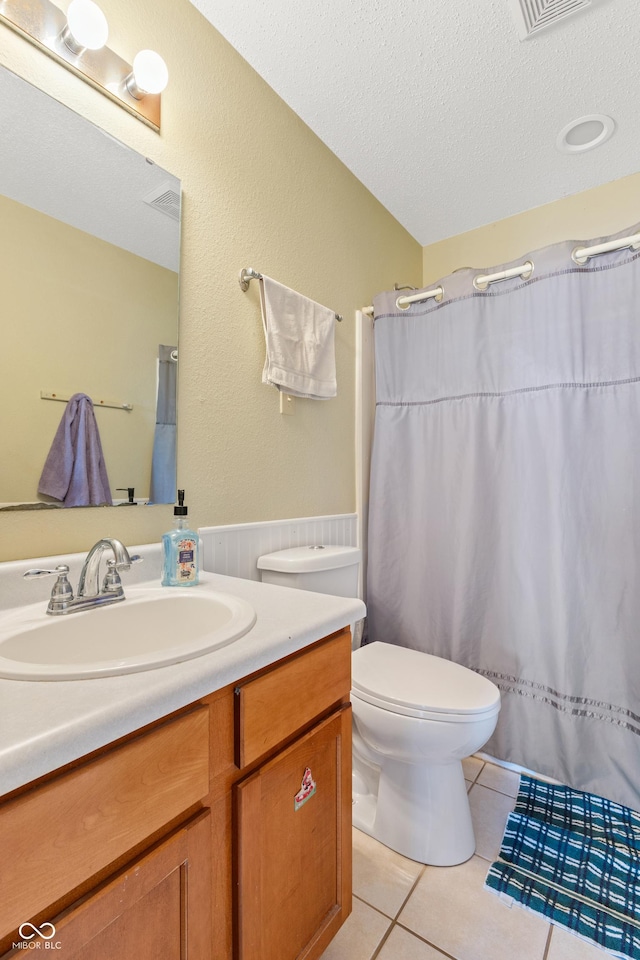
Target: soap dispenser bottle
(181, 551)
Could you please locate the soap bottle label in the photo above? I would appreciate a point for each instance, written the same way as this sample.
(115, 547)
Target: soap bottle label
(186, 550)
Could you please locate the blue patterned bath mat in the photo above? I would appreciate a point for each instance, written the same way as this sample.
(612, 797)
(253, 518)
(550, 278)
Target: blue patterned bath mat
(575, 858)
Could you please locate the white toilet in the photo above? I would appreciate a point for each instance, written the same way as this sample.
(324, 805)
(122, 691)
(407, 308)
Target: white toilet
(416, 717)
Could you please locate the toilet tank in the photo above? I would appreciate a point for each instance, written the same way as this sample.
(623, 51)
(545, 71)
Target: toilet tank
(321, 568)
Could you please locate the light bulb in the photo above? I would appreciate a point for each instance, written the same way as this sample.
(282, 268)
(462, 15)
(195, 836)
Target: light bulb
(87, 26)
(150, 74)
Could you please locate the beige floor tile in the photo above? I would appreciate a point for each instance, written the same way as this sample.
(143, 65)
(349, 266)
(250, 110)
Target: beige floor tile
(489, 812)
(504, 781)
(401, 945)
(359, 937)
(566, 946)
(381, 877)
(451, 909)
(471, 767)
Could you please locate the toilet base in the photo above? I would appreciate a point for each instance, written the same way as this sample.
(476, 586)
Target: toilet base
(420, 811)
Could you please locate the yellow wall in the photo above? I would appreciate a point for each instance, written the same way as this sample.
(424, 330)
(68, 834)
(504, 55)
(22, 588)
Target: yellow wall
(91, 329)
(259, 190)
(604, 210)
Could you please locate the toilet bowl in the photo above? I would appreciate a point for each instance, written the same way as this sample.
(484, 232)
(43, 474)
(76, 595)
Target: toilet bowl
(415, 718)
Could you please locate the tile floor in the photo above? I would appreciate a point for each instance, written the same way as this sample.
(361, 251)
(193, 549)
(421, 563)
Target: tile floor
(403, 910)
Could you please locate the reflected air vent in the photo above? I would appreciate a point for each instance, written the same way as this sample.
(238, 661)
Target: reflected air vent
(531, 16)
(166, 199)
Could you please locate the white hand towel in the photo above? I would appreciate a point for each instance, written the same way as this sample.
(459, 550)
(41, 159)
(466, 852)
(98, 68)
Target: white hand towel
(300, 337)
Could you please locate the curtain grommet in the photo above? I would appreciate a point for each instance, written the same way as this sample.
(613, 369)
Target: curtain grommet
(437, 294)
(523, 272)
(579, 260)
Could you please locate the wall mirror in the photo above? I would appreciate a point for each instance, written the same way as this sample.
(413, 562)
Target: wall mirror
(89, 261)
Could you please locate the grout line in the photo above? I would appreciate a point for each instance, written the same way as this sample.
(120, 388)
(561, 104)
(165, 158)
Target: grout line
(413, 886)
(402, 905)
(547, 946)
(429, 943)
(387, 932)
(478, 773)
(377, 909)
(372, 907)
(493, 790)
(376, 952)
(487, 859)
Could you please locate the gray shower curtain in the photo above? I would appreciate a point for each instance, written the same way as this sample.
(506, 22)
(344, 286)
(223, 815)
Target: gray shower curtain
(505, 503)
(163, 461)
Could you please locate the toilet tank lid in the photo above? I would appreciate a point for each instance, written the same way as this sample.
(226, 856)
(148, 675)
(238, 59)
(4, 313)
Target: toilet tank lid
(384, 673)
(308, 558)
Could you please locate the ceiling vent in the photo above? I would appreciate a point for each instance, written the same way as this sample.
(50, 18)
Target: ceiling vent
(166, 199)
(531, 16)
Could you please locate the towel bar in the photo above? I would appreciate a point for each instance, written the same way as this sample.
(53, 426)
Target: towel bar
(44, 395)
(247, 274)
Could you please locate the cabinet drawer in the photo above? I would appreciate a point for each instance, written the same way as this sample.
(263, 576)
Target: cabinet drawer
(61, 834)
(273, 706)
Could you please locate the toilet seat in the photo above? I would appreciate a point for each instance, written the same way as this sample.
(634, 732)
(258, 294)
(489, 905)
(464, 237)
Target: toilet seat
(416, 684)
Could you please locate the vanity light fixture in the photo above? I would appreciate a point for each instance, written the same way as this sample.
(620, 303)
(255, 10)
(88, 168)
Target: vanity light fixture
(86, 27)
(149, 74)
(78, 39)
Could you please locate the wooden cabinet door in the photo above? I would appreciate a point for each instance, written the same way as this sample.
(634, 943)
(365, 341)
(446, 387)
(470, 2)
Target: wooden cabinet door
(157, 907)
(294, 858)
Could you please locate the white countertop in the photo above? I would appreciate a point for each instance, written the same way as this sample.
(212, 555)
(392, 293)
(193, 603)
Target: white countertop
(46, 724)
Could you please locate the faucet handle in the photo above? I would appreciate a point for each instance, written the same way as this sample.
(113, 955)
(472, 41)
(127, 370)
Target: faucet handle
(62, 590)
(60, 571)
(112, 582)
(125, 564)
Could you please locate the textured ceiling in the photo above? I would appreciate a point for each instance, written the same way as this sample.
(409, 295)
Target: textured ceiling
(439, 108)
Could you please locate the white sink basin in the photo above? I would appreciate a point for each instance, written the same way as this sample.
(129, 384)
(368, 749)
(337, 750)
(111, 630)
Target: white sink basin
(153, 627)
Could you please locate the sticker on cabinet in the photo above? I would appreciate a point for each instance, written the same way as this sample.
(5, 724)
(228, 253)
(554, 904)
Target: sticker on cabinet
(306, 791)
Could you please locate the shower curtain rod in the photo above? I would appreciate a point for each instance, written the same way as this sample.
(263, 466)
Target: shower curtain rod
(247, 274)
(579, 255)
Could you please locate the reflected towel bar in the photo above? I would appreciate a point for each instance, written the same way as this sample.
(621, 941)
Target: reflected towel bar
(44, 395)
(247, 274)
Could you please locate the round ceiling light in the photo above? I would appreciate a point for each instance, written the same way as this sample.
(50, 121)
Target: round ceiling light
(585, 133)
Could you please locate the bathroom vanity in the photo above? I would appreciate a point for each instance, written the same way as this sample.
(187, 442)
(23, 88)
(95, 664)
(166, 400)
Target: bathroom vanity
(219, 829)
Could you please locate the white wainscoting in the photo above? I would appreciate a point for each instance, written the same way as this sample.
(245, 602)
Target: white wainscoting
(234, 550)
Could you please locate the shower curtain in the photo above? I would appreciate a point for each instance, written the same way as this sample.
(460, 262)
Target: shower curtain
(504, 527)
(163, 460)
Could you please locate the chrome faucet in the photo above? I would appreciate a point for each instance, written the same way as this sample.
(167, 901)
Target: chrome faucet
(90, 593)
